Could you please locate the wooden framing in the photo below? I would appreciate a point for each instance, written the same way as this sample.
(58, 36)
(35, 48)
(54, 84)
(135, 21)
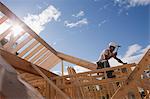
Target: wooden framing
(22, 64)
(3, 19)
(134, 76)
(48, 53)
(15, 19)
(51, 61)
(5, 33)
(23, 43)
(39, 47)
(50, 82)
(38, 55)
(9, 45)
(93, 84)
(27, 29)
(28, 48)
(77, 61)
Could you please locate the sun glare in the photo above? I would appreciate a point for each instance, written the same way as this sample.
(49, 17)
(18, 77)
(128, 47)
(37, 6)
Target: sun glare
(16, 30)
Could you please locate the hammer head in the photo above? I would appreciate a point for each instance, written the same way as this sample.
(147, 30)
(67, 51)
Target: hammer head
(119, 46)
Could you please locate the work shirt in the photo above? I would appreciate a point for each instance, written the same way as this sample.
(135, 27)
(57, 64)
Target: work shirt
(102, 57)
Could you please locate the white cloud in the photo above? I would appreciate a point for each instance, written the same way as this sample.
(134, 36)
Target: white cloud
(139, 2)
(129, 57)
(133, 55)
(37, 22)
(96, 0)
(132, 3)
(81, 13)
(80, 69)
(54, 43)
(79, 23)
(57, 72)
(132, 50)
(39, 7)
(104, 7)
(145, 49)
(102, 22)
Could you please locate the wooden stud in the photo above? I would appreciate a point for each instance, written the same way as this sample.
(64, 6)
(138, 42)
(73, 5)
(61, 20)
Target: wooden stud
(50, 82)
(77, 61)
(5, 33)
(10, 43)
(28, 48)
(38, 55)
(62, 67)
(22, 64)
(23, 43)
(3, 19)
(50, 62)
(15, 19)
(134, 75)
(33, 52)
(39, 61)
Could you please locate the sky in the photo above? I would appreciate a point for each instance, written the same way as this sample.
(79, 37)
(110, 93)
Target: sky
(83, 28)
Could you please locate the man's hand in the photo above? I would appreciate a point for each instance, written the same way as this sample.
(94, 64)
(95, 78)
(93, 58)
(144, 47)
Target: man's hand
(124, 63)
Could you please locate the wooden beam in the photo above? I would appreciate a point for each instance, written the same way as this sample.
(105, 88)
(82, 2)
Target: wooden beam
(34, 52)
(5, 33)
(38, 55)
(39, 61)
(98, 71)
(28, 48)
(15, 19)
(28, 76)
(9, 45)
(21, 44)
(93, 82)
(134, 76)
(62, 68)
(50, 82)
(22, 64)
(50, 62)
(77, 61)
(3, 19)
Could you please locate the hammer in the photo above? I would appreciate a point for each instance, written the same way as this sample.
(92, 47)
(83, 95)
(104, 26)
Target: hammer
(117, 48)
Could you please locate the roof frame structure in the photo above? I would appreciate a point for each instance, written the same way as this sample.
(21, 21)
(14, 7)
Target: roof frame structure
(8, 14)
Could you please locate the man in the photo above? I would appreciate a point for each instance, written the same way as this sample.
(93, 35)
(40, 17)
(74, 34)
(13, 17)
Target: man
(111, 52)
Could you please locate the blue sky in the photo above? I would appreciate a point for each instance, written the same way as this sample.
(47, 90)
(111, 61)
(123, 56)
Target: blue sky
(83, 28)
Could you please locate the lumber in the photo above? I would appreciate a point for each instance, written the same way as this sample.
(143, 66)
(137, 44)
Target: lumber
(38, 55)
(37, 49)
(50, 82)
(15, 19)
(23, 43)
(135, 75)
(28, 48)
(22, 64)
(3, 19)
(77, 61)
(4, 34)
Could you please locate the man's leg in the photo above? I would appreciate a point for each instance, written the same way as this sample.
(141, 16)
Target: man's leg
(99, 66)
(109, 73)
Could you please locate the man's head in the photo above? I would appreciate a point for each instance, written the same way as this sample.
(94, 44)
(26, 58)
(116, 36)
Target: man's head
(112, 46)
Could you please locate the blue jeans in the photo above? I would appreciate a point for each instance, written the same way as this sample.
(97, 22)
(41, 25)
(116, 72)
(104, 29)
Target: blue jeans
(105, 64)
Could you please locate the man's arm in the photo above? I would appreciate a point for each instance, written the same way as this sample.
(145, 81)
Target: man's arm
(119, 60)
